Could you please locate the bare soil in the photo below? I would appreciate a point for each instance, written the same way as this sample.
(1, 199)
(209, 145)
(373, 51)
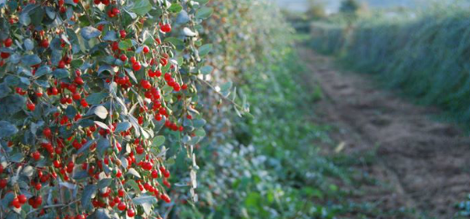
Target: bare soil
(419, 163)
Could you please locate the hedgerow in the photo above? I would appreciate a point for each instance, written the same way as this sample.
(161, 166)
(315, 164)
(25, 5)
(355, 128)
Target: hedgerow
(96, 99)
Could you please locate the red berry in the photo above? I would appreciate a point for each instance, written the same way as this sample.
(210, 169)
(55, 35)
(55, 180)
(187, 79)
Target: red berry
(123, 34)
(16, 203)
(4, 55)
(31, 106)
(84, 103)
(79, 80)
(47, 132)
(122, 206)
(145, 84)
(38, 201)
(3, 183)
(130, 213)
(8, 42)
(36, 155)
(136, 66)
(76, 96)
(139, 150)
(116, 11)
(22, 198)
(165, 28)
(154, 174)
(121, 193)
(123, 58)
(146, 49)
(44, 43)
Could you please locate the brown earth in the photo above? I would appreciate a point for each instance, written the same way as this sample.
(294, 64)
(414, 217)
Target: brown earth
(419, 163)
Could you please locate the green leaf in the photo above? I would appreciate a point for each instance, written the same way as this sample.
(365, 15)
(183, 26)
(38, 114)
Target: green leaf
(133, 172)
(17, 158)
(43, 70)
(158, 141)
(102, 145)
(4, 90)
(141, 7)
(86, 146)
(31, 60)
(132, 184)
(175, 41)
(7, 129)
(125, 44)
(175, 8)
(205, 49)
(200, 132)
(88, 192)
(89, 33)
(100, 111)
(206, 70)
(204, 13)
(198, 123)
(144, 199)
(60, 73)
(96, 98)
(25, 18)
(37, 15)
(104, 183)
(123, 126)
(7, 200)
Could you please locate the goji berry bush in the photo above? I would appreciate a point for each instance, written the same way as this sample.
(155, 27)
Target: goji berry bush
(96, 99)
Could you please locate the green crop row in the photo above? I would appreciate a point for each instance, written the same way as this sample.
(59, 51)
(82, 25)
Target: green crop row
(425, 55)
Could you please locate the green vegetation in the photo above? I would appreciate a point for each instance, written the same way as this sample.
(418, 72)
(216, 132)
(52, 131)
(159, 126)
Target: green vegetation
(422, 54)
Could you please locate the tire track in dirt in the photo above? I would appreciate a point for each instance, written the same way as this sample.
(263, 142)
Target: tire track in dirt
(420, 164)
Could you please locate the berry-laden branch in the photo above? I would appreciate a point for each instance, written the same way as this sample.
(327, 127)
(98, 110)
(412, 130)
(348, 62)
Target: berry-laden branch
(93, 94)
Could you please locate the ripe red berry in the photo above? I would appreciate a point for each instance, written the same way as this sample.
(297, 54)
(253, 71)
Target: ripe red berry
(47, 132)
(165, 28)
(8, 42)
(145, 84)
(3, 183)
(130, 213)
(146, 49)
(22, 198)
(36, 155)
(38, 201)
(4, 55)
(79, 80)
(123, 58)
(154, 174)
(121, 193)
(76, 96)
(16, 203)
(122, 206)
(45, 43)
(31, 106)
(116, 11)
(123, 34)
(61, 64)
(136, 66)
(84, 103)
(139, 149)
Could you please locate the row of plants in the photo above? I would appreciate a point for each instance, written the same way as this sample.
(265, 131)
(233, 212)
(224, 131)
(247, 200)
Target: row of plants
(97, 100)
(262, 164)
(422, 54)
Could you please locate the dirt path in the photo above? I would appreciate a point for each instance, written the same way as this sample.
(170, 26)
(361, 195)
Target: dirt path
(419, 163)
